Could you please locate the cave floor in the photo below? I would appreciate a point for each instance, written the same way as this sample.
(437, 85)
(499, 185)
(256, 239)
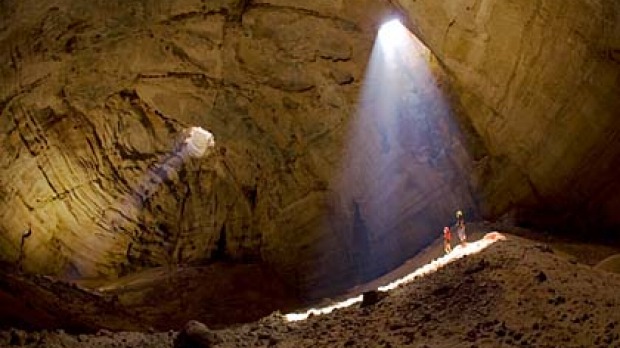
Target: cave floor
(516, 293)
(154, 299)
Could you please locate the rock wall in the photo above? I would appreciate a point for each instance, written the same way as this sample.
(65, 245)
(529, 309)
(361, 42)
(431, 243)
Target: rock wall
(308, 175)
(539, 81)
(335, 159)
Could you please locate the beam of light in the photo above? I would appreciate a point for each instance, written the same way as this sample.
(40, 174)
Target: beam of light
(193, 142)
(325, 310)
(392, 36)
(458, 252)
(392, 31)
(403, 166)
(196, 142)
(431, 267)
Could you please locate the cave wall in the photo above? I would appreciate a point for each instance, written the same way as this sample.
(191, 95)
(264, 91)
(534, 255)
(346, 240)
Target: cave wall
(539, 81)
(96, 98)
(312, 173)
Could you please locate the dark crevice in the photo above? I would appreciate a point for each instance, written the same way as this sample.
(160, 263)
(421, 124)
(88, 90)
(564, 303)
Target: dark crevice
(251, 195)
(47, 179)
(128, 154)
(220, 251)
(178, 248)
(237, 12)
(196, 14)
(344, 24)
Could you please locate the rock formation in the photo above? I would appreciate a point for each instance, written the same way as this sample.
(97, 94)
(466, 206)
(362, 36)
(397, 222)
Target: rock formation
(539, 82)
(514, 293)
(311, 173)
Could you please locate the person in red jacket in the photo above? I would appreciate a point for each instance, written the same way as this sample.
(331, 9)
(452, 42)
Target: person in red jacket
(447, 245)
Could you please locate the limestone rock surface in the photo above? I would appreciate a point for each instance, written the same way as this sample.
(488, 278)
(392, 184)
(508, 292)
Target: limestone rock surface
(333, 162)
(97, 98)
(539, 82)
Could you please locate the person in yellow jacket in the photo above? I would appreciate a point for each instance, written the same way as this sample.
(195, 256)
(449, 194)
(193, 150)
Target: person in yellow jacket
(460, 227)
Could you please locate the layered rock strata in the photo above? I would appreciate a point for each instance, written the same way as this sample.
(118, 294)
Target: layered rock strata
(308, 174)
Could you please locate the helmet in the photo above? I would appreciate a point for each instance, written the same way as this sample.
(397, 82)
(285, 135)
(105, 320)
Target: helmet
(459, 214)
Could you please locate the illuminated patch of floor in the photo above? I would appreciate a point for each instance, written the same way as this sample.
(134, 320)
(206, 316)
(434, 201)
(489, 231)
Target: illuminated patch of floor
(457, 253)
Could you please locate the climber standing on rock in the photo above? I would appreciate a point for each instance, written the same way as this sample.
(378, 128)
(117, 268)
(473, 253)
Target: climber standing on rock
(460, 227)
(447, 245)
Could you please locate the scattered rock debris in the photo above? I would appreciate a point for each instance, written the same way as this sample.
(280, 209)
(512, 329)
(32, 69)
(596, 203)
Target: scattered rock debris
(466, 304)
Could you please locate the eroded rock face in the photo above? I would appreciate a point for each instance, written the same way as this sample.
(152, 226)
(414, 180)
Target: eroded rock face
(333, 160)
(97, 98)
(539, 81)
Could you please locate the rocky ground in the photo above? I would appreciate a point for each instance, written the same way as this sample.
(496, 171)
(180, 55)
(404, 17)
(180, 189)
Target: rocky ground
(515, 293)
(157, 299)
